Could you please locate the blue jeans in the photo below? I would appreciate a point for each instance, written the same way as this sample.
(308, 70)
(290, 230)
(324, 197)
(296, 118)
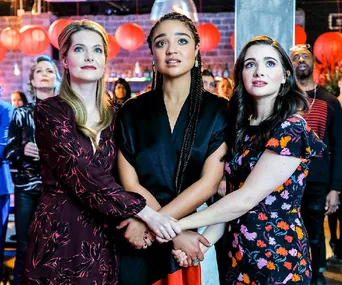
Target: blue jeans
(25, 205)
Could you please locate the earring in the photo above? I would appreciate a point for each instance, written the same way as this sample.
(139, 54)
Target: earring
(196, 62)
(153, 63)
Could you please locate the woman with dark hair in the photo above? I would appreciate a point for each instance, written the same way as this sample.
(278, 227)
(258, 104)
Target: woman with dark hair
(22, 151)
(72, 238)
(18, 99)
(271, 152)
(171, 148)
(121, 91)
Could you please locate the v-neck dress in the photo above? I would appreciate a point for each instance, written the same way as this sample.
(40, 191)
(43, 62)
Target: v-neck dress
(72, 238)
(269, 244)
(149, 146)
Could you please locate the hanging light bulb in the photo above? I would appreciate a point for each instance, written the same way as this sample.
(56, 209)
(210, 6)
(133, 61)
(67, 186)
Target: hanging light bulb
(16, 70)
(185, 7)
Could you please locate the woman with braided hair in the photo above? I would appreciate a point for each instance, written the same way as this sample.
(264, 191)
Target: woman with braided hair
(172, 140)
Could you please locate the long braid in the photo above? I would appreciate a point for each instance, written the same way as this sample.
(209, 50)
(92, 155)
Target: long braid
(195, 98)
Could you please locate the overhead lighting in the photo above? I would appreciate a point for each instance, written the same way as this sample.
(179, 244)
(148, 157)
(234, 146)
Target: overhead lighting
(185, 7)
(16, 70)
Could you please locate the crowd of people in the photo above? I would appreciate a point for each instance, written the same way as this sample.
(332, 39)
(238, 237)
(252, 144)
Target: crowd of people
(116, 191)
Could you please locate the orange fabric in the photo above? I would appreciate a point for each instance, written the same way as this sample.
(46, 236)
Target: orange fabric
(185, 276)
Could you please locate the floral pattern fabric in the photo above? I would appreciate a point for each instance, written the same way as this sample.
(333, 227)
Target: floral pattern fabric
(269, 244)
(72, 234)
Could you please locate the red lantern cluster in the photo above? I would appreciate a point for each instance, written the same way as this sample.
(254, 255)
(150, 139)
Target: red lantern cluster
(113, 47)
(10, 38)
(209, 37)
(55, 30)
(2, 52)
(130, 36)
(328, 46)
(300, 35)
(34, 40)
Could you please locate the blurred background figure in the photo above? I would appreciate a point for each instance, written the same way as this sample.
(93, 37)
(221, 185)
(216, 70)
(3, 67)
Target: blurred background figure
(225, 88)
(121, 91)
(18, 99)
(6, 185)
(22, 151)
(208, 81)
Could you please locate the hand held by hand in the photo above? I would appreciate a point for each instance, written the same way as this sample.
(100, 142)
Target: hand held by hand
(162, 225)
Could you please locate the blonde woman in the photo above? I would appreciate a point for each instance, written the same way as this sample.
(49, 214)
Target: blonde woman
(72, 235)
(22, 151)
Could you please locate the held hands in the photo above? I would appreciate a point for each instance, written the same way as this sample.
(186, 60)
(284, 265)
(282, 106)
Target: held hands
(189, 248)
(332, 202)
(31, 150)
(137, 233)
(163, 226)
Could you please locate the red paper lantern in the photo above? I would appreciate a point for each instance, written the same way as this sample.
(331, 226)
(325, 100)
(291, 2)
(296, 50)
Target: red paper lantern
(209, 36)
(2, 52)
(130, 36)
(34, 40)
(10, 38)
(300, 35)
(113, 47)
(55, 30)
(232, 41)
(328, 46)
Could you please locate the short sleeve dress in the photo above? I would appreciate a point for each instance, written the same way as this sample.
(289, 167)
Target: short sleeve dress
(269, 244)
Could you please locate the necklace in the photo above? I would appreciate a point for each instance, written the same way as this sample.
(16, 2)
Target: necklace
(314, 97)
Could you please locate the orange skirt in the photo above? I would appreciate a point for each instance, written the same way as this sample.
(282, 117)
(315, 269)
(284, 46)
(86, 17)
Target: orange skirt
(185, 276)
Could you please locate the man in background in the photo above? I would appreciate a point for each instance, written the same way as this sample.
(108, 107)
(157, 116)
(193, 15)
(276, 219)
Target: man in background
(324, 182)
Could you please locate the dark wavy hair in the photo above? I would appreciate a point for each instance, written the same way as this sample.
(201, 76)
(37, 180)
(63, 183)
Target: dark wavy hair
(195, 95)
(125, 84)
(290, 100)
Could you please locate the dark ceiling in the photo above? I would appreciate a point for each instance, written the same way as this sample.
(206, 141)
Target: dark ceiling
(108, 7)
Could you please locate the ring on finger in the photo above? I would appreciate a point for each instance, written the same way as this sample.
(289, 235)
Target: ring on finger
(196, 261)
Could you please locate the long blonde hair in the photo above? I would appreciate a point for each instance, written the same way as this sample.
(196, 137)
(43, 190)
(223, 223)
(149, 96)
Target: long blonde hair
(66, 92)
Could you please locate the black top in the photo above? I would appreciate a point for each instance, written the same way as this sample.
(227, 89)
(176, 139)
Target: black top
(149, 146)
(22, 131)
(325, 118)
(147, 143)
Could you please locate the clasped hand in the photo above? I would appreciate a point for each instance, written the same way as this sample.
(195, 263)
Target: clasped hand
(189, 248)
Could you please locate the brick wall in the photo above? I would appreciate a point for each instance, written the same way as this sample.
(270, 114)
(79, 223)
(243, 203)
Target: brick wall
(125, 60)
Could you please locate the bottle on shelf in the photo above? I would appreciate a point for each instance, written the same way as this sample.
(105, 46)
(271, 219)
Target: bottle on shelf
(147, 72)
(225, 72)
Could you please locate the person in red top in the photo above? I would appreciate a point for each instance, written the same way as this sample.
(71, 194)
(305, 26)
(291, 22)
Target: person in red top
(325, 179)
(72, 238)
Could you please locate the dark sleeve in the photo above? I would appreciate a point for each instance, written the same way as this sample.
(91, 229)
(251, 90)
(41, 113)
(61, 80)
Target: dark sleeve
(219, 134)
(124, 134)
(14, 150)
(335, 134)
(59, 147)
(5, 119)
(295, 138)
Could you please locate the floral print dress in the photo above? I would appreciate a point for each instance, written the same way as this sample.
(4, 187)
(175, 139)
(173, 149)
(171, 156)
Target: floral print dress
(269, 244)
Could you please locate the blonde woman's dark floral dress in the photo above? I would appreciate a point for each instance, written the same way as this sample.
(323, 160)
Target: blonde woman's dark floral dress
(72, 235)
(269, 244)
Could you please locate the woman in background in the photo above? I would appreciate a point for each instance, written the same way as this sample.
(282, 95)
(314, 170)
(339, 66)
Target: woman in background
(121, 91)
(22, 151)
(18, 99)
(225, 88)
